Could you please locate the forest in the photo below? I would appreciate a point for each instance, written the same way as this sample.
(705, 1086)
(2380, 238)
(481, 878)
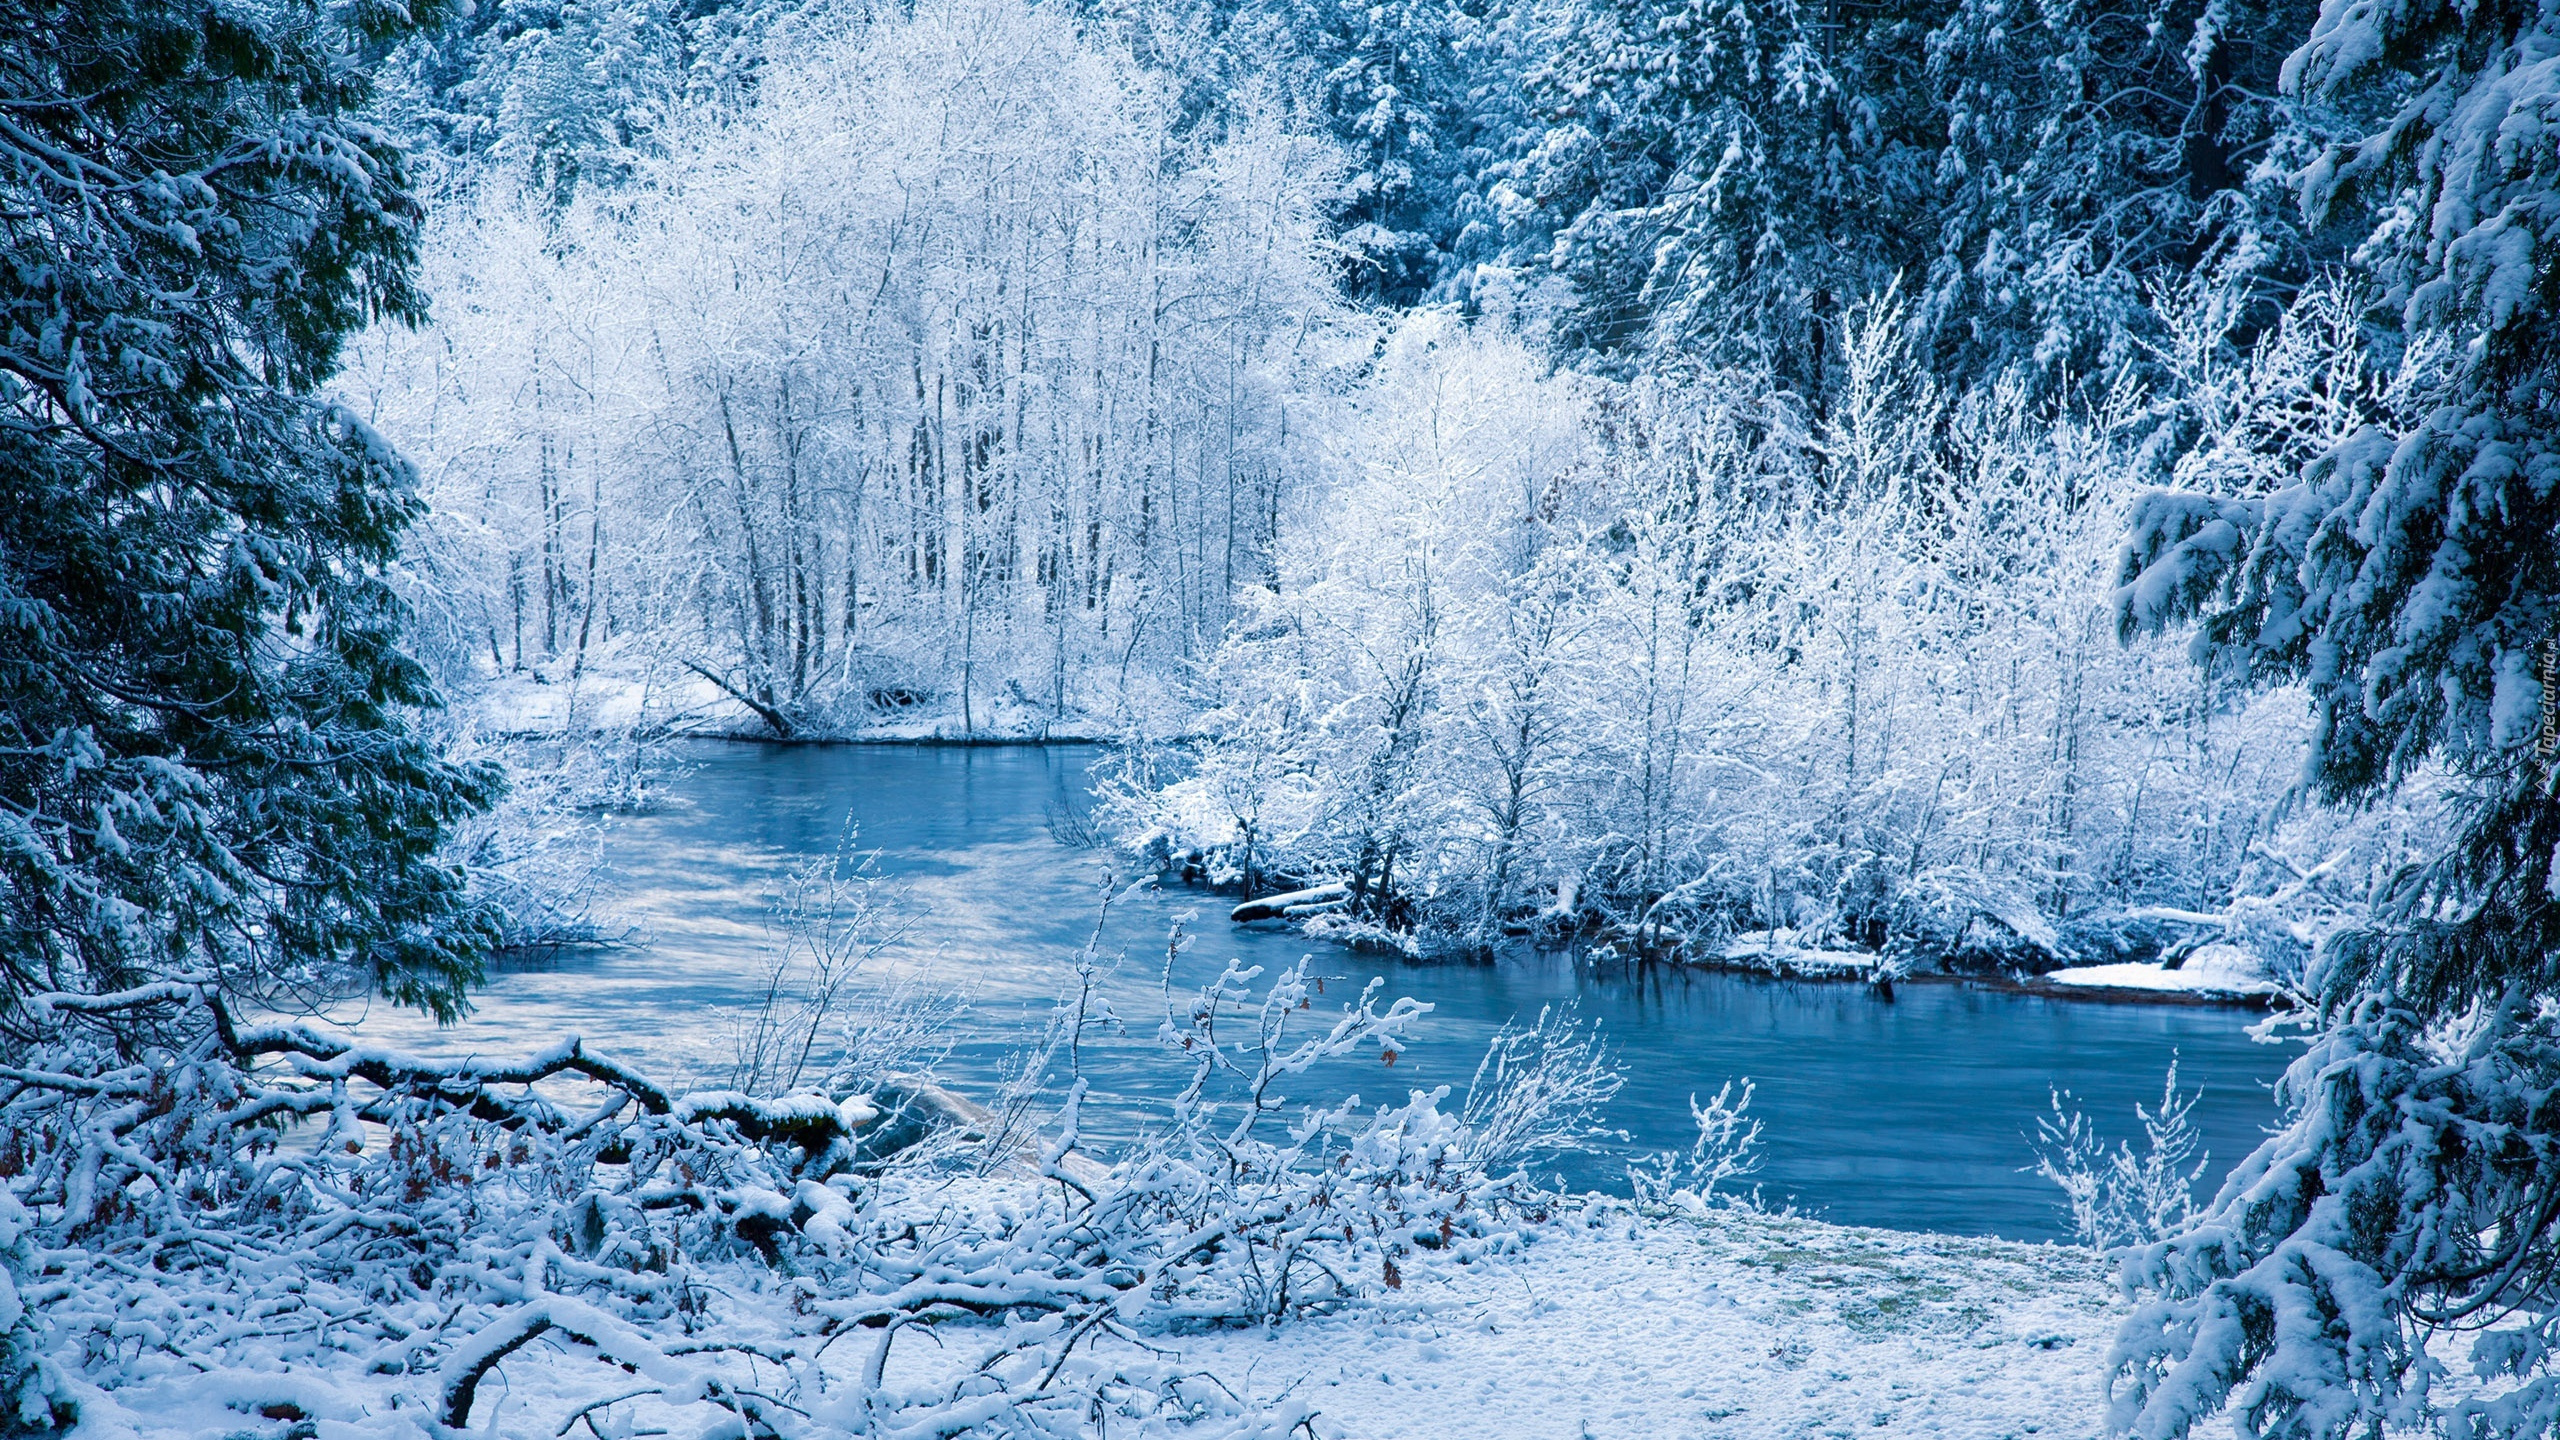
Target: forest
(1976, 486)
(1483, 462)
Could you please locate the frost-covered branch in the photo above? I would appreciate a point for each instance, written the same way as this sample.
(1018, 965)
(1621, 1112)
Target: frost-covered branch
(448, 1214)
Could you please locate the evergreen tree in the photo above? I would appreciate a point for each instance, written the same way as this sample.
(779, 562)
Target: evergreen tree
(205, 765)
(2094, 150)
(564, 93)
(2407, 578)
(1413, 91)
(1716, 178)
(1727, 181)
(1392, 80)
(31, 1399)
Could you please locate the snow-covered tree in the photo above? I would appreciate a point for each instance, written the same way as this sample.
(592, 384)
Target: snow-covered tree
(2088, 154)
(31, 1398)
(1682, 172)
(1727, 181)
(2404, 577)
(1668, 660)
(947, 373)
(560, 96)
(206, 765)
(1394, 83)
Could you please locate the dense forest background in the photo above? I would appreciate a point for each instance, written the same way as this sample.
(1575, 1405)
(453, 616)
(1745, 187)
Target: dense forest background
(1653, 465)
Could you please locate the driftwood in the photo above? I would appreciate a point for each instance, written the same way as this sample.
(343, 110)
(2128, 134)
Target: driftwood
(1314, 900)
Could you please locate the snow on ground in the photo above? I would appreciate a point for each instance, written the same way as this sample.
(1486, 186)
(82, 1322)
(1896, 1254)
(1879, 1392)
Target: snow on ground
(1732, 1324)
(1729, 1325)
(622, 689)
(1784, 953)
(2210, 970)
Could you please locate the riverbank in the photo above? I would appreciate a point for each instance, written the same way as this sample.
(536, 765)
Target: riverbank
(525, 706)
(2216, 983)
(1606, 1324)
(2214, 975)
(2127, 983)
(1912, 1115)
(675, 703)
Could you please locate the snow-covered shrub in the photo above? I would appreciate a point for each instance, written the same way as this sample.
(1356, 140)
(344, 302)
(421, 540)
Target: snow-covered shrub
(1539, 1091)
(534, 859)
(819, 1021)
(2124, 1196)
(191, 1191)
(1727, 1149)
(1258, 1213)
(31, 1398)
(2285, 904)
(1674, 660)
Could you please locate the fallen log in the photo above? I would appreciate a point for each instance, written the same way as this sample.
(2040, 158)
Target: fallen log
(774, 719)
(1277, 907)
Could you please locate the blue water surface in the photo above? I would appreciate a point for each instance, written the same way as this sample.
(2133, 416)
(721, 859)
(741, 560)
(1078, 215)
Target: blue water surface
(1914, 1115)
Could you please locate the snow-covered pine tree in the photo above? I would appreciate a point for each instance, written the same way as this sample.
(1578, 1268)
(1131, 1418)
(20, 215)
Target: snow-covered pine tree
(2407, 577)
(1393, 82)
(2091, 150)
(205, 768)
(561, 94)
(31, 1399)
(1725, 181)
(1713, 178)
(1414, 92)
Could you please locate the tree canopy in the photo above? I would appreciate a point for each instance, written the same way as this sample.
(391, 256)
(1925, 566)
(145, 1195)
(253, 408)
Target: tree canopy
(207, 766)
(2405, 577)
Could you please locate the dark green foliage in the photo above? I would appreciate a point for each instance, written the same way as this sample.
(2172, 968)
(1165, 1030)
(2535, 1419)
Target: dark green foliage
(564, 93)
(204, 760)
(2409, 577)
(2407, 580)
(1727, 181)
(1393, 81)
(31, 1399)
(1717, 178)
(1419, 95)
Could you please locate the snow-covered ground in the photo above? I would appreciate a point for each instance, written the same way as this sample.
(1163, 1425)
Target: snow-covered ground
(1732, 1324)
(1607, 1324)
(1783, 952)
(2216, 970)
(622, 689)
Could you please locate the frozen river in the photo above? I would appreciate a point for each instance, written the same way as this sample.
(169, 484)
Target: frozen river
(1913, 1115)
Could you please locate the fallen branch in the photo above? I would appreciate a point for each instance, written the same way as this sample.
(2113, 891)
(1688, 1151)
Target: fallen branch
(779, 722)
(1276, 907)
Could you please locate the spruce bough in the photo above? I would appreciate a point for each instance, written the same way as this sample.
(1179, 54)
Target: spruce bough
(2406, 579)
(207, 763)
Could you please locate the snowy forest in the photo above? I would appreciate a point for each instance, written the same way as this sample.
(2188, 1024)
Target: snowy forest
(1949, 487)
(830, 371)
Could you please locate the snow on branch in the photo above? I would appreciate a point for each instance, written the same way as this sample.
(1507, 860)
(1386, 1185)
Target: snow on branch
(2181, 550)
(434, 1219)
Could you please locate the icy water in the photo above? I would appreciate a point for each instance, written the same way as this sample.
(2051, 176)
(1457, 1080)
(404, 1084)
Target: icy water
(1913, 1115)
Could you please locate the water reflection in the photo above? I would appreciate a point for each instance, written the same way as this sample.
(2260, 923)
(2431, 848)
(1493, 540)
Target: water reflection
(1911, 1115)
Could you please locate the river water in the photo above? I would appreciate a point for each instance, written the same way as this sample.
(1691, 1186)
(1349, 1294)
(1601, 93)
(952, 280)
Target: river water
(1914, 1115)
